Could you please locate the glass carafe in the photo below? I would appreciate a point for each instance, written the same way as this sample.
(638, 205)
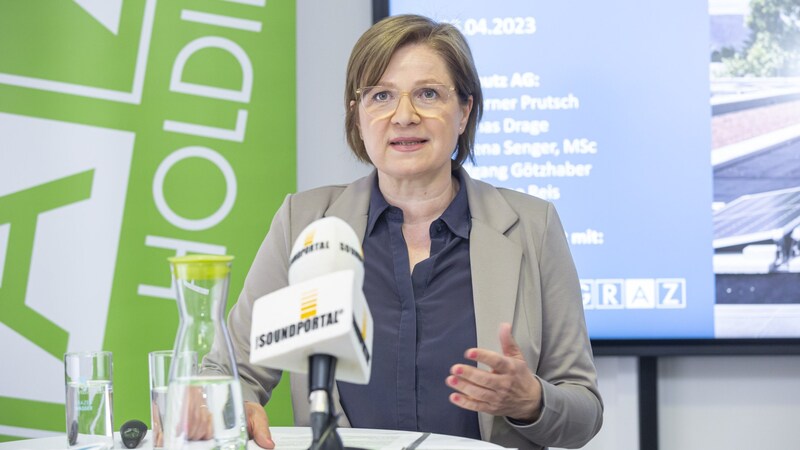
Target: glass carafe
(204, 399)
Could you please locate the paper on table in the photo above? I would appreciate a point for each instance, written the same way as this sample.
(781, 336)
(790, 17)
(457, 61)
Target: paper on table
(291, 438)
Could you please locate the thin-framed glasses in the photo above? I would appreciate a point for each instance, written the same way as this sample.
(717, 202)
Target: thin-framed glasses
(382, 101)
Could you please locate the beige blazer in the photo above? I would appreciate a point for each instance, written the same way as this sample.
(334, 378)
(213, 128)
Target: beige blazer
(522, 273)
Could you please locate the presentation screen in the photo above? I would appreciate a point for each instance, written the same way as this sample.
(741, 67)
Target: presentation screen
(667, 136)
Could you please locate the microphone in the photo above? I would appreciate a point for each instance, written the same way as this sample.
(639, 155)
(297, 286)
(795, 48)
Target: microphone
(320, 324)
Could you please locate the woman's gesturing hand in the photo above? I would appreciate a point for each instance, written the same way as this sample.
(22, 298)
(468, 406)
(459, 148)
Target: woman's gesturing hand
(507, 389)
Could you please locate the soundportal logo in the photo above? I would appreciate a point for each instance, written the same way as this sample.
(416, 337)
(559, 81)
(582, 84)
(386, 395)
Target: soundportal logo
(309, 239)
(308, 304)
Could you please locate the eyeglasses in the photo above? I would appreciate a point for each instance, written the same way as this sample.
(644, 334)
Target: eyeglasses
(382, 101)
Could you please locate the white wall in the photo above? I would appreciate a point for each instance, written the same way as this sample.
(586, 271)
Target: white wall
(729, 402)
(326, 31)
(619, 389)
(705, 403)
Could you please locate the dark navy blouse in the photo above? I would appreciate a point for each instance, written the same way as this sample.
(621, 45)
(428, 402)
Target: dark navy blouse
(424, 322)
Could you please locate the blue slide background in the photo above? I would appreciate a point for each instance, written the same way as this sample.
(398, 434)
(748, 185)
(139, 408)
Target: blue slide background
(640, 72)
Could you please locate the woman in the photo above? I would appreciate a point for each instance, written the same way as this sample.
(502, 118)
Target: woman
(449, 261)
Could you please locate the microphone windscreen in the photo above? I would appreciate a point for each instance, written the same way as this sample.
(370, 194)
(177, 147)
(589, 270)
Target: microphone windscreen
(325, 246)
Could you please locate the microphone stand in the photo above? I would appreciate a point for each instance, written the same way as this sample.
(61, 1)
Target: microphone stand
(321, 374)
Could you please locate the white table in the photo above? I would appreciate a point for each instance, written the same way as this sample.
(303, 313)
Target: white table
(299, 438)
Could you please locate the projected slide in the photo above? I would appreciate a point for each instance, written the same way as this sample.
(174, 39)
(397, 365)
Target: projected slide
(603, 108)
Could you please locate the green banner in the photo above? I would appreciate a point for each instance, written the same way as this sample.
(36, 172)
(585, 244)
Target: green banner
(129, 132)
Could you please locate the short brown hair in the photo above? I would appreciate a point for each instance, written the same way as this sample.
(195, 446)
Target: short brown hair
(374, 49)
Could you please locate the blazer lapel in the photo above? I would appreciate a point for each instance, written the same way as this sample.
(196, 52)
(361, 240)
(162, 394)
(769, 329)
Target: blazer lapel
(495, 263)
(352, 206)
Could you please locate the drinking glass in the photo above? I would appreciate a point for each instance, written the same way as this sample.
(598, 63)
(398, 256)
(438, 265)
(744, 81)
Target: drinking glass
(89, 402)
(160, 362)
